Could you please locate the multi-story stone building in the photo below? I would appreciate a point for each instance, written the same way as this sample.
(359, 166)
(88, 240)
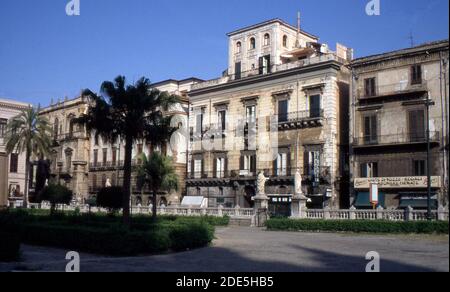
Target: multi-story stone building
(281, 107)
(389, 122)
(70, 152)
(12, 167)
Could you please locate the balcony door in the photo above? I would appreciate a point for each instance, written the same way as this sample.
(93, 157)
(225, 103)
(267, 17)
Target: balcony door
(282, 111)
(314, 106)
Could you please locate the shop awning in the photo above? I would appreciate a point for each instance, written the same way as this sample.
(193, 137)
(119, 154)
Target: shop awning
(363, 200)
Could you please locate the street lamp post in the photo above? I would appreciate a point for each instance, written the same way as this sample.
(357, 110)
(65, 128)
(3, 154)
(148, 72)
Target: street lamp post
(429, 103)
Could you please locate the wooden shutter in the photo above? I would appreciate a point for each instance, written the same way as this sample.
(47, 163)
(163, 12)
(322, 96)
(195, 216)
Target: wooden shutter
(269, 68)
(261, 66)
(253, 163)
(374, 129)
(238, 70)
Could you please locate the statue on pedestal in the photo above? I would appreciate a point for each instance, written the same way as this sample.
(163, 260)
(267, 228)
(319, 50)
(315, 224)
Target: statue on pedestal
(261, 184)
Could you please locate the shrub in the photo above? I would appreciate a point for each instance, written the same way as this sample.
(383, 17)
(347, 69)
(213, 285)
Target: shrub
(359, 226)
(110, 198)
(190, 236)
(56, 194)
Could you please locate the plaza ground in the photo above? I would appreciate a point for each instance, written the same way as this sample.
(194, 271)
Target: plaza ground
(238, 249)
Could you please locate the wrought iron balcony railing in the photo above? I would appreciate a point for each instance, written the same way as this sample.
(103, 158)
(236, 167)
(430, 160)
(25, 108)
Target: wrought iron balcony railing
(307, 173)
(393, 139)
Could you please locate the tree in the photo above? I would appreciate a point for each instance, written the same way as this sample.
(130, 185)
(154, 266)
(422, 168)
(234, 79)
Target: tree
(28, 132)
(129, 113)
(158, 174)
(56, 194)
(110, 198)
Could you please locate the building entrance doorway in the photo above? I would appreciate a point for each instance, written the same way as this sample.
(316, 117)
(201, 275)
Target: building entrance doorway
(280, 206)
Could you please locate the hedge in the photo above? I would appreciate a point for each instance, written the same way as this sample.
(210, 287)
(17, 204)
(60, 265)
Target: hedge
(419, 227)
(189, 236)
(106, 235)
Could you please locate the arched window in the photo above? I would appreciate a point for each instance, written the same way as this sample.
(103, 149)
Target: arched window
(285, 41)
(252, 43)
(239, 47)
(267, 39)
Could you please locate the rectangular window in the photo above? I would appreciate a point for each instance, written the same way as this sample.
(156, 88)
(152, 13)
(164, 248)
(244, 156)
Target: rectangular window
(251, 114)
(420, 168)
(417, 126)
(369, 170)
(371, 130)
(416, 74)
(222, 117)
(14, 163)
(3, 124)
(114, 156)
(105, 156)
(220, 167)
(248, 164)
(370, 87)
(312, 165)
(199, 124)
(95, 158)
(198, 168)
(282, 164)
(314, 106)
(283, 111)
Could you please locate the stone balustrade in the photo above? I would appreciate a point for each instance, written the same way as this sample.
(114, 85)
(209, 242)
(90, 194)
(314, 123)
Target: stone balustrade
(442, 214)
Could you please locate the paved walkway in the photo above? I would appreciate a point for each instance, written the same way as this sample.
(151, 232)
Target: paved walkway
(256, 250)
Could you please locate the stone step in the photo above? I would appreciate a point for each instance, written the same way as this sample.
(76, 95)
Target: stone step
(247, 222)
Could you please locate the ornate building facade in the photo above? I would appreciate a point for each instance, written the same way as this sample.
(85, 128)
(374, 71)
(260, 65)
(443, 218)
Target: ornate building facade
(281, 107)
(389, 126)
(106, 160)
(70, 152)
(12, 167)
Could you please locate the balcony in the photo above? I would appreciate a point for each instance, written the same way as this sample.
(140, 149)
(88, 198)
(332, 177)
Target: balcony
(395, 139)
(320, 175)
(109, 166)
(69, 137)
(392, 92)
(300, 120)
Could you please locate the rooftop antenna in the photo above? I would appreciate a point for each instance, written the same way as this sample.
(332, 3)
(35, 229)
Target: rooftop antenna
(411, 39)
(297, 42)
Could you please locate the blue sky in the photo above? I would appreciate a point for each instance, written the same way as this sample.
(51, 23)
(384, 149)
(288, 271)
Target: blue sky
(46, 54)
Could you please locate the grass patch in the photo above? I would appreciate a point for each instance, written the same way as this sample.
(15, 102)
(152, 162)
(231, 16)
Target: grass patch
(358, 226)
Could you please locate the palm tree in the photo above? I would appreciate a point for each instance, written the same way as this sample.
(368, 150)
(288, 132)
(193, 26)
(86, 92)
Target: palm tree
(129, 113)
(30, 133)
(158, 174)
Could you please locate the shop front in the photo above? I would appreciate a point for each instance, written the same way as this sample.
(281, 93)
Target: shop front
(398, 192)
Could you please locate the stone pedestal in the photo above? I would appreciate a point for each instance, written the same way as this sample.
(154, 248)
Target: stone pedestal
(298, 206)
(261, 202)
(261, 210)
